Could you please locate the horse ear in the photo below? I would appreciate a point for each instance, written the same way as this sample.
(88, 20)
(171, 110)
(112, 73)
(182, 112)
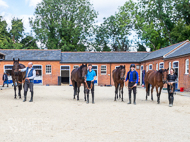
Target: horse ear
(18, 59)
(167, 69)
(124, 66)
(13, 59)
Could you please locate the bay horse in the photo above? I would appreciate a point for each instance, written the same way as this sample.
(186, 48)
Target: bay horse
(156, 79)
(78, 76)
(17, 77)
(118, 76)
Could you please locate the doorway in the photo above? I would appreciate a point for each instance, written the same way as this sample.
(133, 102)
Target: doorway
(65, 74)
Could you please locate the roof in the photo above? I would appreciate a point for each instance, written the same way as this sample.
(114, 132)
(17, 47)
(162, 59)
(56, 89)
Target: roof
(161, 52)
(102, 57)
(184, 50)
(32, 55)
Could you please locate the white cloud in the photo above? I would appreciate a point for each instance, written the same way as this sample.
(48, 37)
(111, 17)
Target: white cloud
(3, 4)
(33, 2)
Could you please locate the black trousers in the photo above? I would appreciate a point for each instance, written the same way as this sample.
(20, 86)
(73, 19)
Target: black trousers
(171, 90)
(89, 83)
(134, 89)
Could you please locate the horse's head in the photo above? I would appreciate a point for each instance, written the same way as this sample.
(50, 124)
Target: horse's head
(122, 72)
(164, 73)
(84, 70)
(16, 67)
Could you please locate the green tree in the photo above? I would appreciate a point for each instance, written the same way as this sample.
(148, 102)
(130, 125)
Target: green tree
(17, 30)
(29, 43)
(5, 40)
(64, 24)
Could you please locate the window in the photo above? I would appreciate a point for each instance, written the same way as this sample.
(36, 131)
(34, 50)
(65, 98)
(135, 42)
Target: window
(187, 66)
(150, 67)
(161, 66)
(75, 67)
(103, 69)
(137, 67)
(8, 69)
(116, 67)
(146, 68)
(157, 66)
(48, 69)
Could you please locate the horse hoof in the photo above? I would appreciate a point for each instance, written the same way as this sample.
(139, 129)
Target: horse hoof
(14, 97)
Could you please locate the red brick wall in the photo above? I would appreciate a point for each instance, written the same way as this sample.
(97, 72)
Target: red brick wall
(153, 62)
(184, 79)
(103, 79)
(51, 79)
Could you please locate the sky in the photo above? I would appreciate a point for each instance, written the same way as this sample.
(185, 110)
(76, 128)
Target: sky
(25, 9)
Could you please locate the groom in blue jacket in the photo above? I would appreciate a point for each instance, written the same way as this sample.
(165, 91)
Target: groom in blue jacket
(29, 80)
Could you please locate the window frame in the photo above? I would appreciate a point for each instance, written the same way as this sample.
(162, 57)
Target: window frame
(104, 70)
(159, 65)
(186, 66)
(149, 67)
(50, 68)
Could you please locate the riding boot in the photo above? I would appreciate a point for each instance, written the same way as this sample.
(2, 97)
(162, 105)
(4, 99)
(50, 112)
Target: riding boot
(87, 101)
(171, 101)
(3, 85)
(93, 97)
(134, 99)
(129, 99)
(25, 93)
(31, 100)
(7, 85)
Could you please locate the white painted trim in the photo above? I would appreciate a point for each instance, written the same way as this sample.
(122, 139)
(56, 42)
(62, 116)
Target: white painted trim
(141, 74)
(101, 70)
(176, 49)
(186, 66)
(178, 72)
(157, 66)
(68, 70)
(96, 74)
(51, 69)
(41, 69)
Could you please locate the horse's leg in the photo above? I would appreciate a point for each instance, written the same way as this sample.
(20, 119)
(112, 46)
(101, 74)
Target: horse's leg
(152, 92)
(119, 90)
(15, 90)
(78, 91)
(115, 91)
(160, 94)
(146, 85)
(74, 88)
(19, 89)
(122, 92)
(157, 94)
(85, 92)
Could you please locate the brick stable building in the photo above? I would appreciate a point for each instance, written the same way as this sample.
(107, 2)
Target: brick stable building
(50, 64)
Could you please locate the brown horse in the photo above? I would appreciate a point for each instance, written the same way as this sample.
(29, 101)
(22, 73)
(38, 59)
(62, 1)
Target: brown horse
(17, 76)
(118, 75)
(78, 76)
(156, 79)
